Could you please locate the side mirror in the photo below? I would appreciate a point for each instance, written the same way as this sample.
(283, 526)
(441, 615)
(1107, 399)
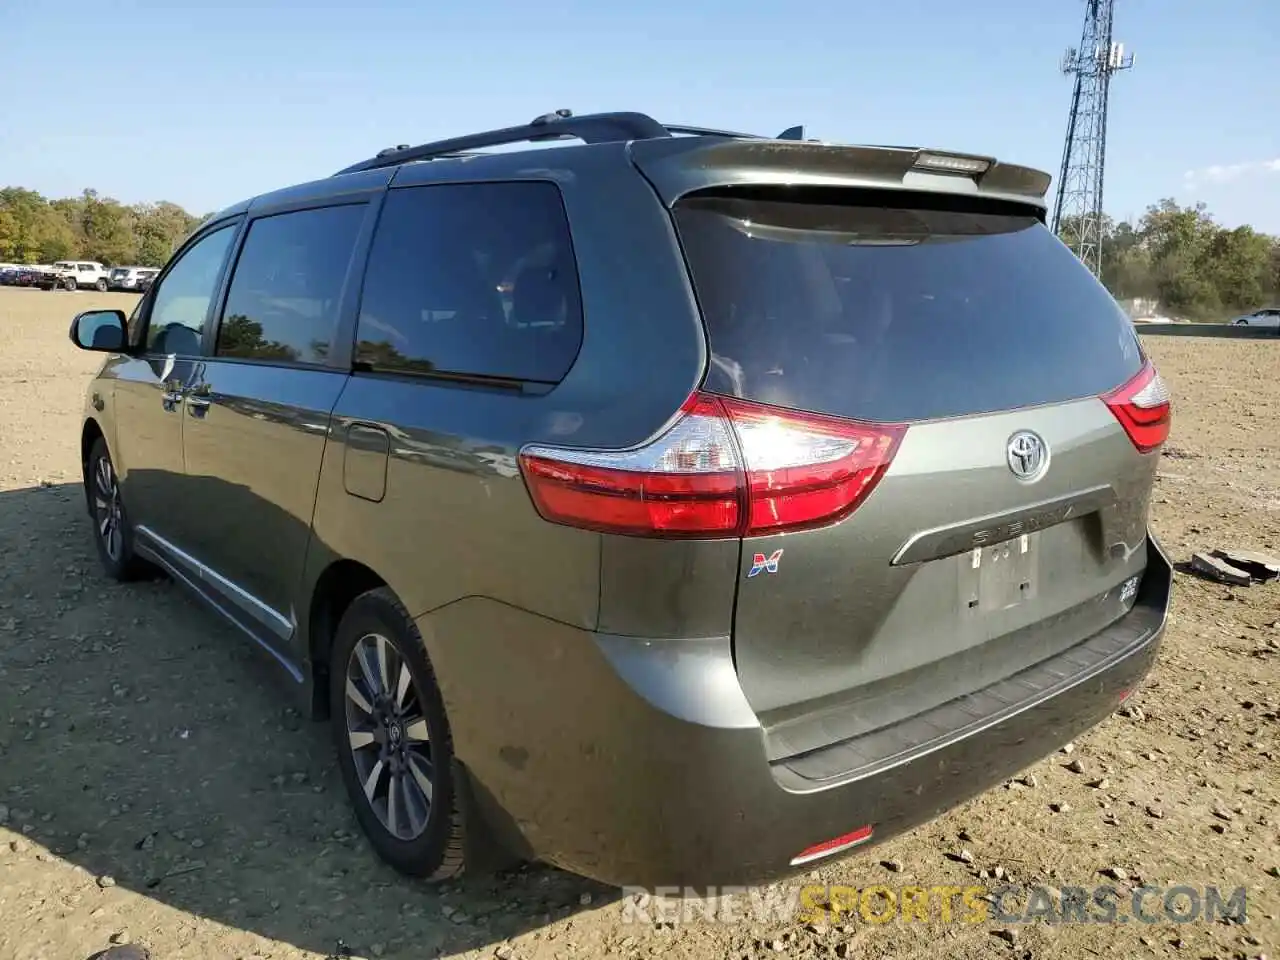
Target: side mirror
(101, 330)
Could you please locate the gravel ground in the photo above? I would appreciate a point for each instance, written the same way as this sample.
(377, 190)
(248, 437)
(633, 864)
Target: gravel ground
(155, 786)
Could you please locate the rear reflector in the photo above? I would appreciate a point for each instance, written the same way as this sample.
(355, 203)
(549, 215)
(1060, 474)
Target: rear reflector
(724, 468)
(1142, 406)
(833, 846)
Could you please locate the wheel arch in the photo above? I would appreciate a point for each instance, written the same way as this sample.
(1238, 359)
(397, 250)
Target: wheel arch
(90, 433)
(493, 840)
(335, 588)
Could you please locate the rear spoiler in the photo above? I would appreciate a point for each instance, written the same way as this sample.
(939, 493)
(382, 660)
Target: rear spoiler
(680, 166)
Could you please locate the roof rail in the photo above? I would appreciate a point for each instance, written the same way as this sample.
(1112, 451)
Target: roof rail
(709, 132)
(589, 128)
(791, 133)
(561, 125)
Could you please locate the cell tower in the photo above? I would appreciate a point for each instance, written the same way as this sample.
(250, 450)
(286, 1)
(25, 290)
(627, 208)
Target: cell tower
(1084, 155)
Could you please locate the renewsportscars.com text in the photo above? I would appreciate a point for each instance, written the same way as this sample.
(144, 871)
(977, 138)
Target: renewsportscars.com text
(1005, 904)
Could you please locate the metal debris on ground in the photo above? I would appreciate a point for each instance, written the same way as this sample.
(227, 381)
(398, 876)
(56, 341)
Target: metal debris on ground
(1260, 566)
(1213, 567)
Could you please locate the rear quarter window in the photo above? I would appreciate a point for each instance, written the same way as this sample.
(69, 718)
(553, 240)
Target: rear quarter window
(897, 313)
(472, 279)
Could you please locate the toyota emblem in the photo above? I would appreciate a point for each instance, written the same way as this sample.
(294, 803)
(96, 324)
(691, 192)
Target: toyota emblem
(1027, 455)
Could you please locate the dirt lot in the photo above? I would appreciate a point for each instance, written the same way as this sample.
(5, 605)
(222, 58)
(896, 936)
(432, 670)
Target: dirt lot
(154, 785)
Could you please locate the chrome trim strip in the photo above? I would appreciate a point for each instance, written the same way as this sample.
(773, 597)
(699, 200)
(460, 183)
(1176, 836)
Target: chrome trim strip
(278, 624)
(157, 556)
(960, 537)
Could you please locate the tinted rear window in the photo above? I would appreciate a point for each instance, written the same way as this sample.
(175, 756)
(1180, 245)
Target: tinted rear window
(897, 314)
(472, 279)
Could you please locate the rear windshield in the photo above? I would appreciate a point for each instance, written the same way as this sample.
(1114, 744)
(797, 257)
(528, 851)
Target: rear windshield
(897, 313)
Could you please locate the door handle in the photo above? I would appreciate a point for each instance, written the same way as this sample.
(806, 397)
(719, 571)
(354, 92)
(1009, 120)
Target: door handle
(171, 395)
(199, 399)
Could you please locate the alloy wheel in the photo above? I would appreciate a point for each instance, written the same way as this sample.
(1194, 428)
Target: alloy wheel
(387, 734)
(107, 508)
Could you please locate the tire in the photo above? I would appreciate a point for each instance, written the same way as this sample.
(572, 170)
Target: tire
(112, 532)
(428, 845)
(101, 286)
(70, 283)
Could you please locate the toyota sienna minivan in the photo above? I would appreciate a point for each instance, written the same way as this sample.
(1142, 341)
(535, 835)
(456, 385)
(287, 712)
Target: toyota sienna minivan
(675, 506)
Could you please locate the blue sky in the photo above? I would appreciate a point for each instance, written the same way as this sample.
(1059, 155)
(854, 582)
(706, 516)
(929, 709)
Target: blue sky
(206, 105)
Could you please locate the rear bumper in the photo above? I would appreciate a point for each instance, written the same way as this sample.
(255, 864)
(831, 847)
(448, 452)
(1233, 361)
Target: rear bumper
(639, 762)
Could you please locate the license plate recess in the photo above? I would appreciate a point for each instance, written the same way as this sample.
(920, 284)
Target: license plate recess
(999, 576)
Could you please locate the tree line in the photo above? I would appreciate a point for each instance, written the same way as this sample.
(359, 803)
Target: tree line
(1177, 256)
(35, 229)
(1191, 266)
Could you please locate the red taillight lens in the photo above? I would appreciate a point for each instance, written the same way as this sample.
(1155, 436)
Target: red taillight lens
(726, 467)
(687, 483)
(1142, 406)
(805, 470)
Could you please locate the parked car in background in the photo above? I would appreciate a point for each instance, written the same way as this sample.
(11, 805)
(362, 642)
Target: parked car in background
(29, 276)
(1269, 317)
(680, 508)
(127, 278)
(145, 279)
(74, 274)
(9, 273)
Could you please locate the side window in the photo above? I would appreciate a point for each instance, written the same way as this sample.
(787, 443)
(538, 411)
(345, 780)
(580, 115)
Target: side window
(86, 268)
(283, 301)
(472, 279)
(181, 301)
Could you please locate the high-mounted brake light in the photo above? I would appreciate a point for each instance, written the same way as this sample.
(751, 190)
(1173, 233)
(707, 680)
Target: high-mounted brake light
(952, 163)
(1143, 408)
(725, 468)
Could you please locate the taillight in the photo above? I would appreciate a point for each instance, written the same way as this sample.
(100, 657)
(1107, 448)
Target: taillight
(687, 483)
(1143, 409)
(805, 470)
(726, 467)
